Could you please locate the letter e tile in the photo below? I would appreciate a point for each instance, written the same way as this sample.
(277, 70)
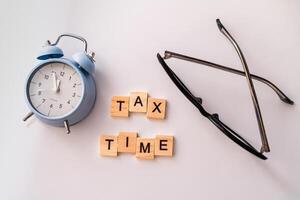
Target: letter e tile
(164, 145)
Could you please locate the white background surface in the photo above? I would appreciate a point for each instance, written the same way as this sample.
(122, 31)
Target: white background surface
(38, 161)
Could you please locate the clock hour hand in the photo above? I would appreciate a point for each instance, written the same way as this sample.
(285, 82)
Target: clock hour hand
(54, 82)
(57, 86)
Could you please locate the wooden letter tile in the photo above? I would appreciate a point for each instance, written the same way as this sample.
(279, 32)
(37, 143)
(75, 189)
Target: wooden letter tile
(119, 106)
(156, 108)
(108, 145)
(145, 148)
(164, 145)
(138, 102)
(127, 142)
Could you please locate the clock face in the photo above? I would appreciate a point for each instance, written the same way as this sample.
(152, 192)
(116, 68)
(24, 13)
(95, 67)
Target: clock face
(55, 89)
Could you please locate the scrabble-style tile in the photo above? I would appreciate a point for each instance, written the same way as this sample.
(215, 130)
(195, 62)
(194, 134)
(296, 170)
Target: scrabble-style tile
(119, 106)
(156, 108)
(164, 145)
(127, 142)
(145, 148)
(108, 145)
(138, 102)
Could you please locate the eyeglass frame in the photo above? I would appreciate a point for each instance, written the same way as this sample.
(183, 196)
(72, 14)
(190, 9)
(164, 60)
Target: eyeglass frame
(214, 118)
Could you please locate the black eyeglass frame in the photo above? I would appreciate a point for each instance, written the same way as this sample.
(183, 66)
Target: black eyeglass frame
(214, 118)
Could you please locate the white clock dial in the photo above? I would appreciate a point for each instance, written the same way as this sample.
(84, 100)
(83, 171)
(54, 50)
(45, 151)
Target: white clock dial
(55, 89)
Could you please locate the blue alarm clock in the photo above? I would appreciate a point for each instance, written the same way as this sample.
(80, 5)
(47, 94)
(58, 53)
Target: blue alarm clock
(61, 91)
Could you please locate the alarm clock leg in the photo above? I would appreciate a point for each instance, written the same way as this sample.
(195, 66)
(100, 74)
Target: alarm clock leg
(27, 116)
(66, 123)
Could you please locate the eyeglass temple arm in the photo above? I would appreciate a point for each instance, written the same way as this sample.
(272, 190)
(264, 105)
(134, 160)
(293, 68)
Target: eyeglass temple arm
(282, 96)
(265, 146)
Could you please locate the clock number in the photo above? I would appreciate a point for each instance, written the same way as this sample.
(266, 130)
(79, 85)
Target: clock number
(43, 100)
(74, 85)
(46, 76)
(70, 78)
(74, 94)
(40, 84)
(51, 106)
(39, 92)
(62, 73)
(69, 101)
(60, 105)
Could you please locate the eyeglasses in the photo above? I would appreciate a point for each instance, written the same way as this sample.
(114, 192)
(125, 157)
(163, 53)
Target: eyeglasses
(214, 118)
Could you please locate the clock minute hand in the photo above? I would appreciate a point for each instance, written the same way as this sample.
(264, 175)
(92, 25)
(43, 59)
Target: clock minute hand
(54, 82)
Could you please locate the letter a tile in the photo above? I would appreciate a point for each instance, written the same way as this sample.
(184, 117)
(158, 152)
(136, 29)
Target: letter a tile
(138, 102)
